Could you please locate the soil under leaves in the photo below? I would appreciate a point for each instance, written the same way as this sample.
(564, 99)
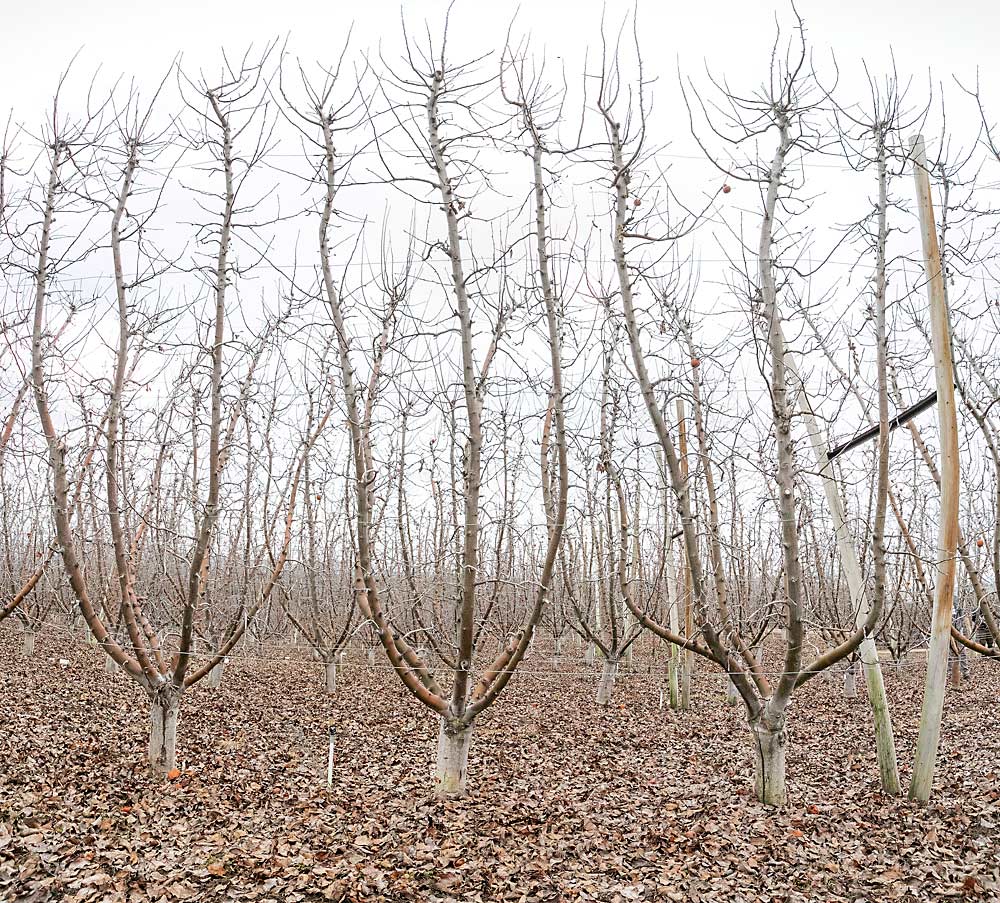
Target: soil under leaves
(567, 802)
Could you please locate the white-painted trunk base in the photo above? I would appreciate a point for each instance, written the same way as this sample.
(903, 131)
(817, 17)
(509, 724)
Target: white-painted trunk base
(955, 672)
(851, 683)
(769, 764)
(606, 686)
(452, 759)
(163, 717)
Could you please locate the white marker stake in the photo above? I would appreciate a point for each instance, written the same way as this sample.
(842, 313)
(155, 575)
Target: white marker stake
(661, 699)
(329, 761)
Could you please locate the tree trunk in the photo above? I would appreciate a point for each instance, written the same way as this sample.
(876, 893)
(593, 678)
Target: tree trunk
(606, 687)
(672, 669)
(851, 681)
(371, 657)
(685, 681)
(769, 762)
(956, 672)
(590, 655)
(452, 758)
(164, 712)
(732, 694)
(215, 676)
(331, 677)
(557, 648)
(110, 665)
(28, 643)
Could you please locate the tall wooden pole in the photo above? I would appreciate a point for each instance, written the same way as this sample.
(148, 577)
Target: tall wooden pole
(688, 658)
(937, 654)
(673, 586)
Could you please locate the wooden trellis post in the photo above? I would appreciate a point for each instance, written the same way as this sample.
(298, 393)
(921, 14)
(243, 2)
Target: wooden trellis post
(937, 653)
(687, 666)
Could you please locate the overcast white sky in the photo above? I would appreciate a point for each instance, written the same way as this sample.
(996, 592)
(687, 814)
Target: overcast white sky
(734, 38)
(141, 38)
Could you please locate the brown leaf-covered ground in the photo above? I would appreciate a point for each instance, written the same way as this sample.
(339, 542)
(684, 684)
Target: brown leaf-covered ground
(567, 802)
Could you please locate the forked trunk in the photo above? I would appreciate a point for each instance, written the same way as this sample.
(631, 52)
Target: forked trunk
(28, 643)
(164, 711)
(769, 762)
(331, 677)
(452, 757)
(606, 687)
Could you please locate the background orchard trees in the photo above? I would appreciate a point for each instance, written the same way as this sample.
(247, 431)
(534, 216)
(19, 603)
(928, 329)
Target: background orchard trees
(27, 547)
(318, 595)
(605, 561)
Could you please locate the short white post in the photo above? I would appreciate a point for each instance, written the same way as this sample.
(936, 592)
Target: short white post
(329, 760)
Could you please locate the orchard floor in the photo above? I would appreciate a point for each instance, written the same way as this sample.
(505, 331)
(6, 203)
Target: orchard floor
(567, 802)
